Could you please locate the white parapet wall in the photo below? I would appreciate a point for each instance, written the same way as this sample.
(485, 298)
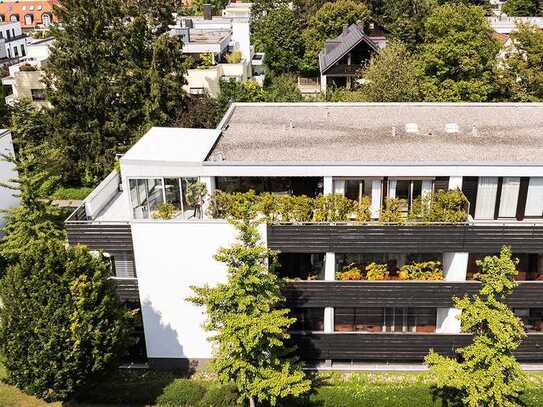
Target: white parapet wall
(8, 198)
(170, 258)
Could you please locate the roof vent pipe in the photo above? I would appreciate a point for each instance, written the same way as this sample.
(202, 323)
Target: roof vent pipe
(345, 28)
(394, 131)
(474, 131)
(291, 124)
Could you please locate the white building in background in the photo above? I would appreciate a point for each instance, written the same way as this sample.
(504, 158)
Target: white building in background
(15, 41)
(493, 153)
(26, 77)
(221, 37)
(504, 24)
(7, 174)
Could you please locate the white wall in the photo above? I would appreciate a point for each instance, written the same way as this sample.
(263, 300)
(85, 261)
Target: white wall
(7, 172)
(170, 257)
(241, 35)
(455, 266)
(102, 194)
(447, 320)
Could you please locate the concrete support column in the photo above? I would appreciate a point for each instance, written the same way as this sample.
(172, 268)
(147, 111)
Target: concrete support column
(330, 267)
(455, 183)
(339, 186)
(426, 187)
(455, 266)
(376, 194)
(392, 188)
(328, 185)
(328, 320)
(447, 321)
(210, 184)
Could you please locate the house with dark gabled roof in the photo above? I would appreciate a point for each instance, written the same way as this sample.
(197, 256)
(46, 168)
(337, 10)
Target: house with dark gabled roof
(342, 57)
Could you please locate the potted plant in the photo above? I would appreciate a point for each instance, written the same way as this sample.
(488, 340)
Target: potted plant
(195, 194)
(376, 271)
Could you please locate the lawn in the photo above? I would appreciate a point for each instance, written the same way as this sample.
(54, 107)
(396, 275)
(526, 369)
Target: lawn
(383, 389)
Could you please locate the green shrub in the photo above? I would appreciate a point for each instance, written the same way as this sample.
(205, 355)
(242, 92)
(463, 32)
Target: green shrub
(221, 396)
(427, 270)
(440, 206)
(391, 212)
(334, 208)
(233, 57)
(71, 193)
(164, 211)
(182, 393)
(376, 271)
(349, 273)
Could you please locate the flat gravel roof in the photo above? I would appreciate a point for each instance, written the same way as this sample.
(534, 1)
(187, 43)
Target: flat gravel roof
(328, 132)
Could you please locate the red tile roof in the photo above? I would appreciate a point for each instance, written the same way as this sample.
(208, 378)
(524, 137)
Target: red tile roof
(21, 9)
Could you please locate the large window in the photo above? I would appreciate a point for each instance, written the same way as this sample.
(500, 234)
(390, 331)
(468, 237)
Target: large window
(310, 186)
(529, 266)
(354, 188)
(390, 319)
(408, 190)
(534, 200)
(147, 193)
(509, 197)
(307, 319)
(301, 266)
(532, 318)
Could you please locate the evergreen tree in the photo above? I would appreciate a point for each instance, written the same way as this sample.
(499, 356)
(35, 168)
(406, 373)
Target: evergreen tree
(35, 218)
(62, 326)
(28, 124)
(458, 55)
(166, 78)
(98, 80)
(488, 373)
(249, 326)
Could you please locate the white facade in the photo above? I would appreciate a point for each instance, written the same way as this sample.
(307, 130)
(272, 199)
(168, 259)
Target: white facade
(15, 40)
(173, 255)
(7, 174)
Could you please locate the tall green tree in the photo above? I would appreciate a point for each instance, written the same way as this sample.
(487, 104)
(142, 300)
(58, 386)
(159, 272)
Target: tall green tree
(98, 80)
(277, 33)
(520, 8)
(166, 76)
(248, 324)
(28, 124)
(62, 326)
(488, 373)
(328, 23)
(458, 54)
(521, 73)
(35, 218)
(392, 75)
(404, 19)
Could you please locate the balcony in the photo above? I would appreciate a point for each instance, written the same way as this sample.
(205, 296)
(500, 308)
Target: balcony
(523, 237)
(401, 347)
(398, 293)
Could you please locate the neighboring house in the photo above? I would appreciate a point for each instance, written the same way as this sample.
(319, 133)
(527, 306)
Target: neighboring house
(26, 77)
(492, 152)
(30, 14)
(342, 58)
(7, 174)
(217, 37)
(504, 24)
(497, 5)
(14, 39)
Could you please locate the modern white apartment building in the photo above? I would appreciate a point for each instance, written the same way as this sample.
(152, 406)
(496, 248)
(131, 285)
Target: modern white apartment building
(493, 153)
(211, 41)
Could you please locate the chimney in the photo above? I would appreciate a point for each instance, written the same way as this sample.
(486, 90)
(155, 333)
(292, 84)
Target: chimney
(187, 23)
(207, 11)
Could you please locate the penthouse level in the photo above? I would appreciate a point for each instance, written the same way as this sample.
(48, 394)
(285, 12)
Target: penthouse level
(492, 153)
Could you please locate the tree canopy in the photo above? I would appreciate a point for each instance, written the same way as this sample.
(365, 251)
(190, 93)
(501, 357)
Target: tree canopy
(458, 54)
(488, 373)
(61, 324)
(248, 325)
